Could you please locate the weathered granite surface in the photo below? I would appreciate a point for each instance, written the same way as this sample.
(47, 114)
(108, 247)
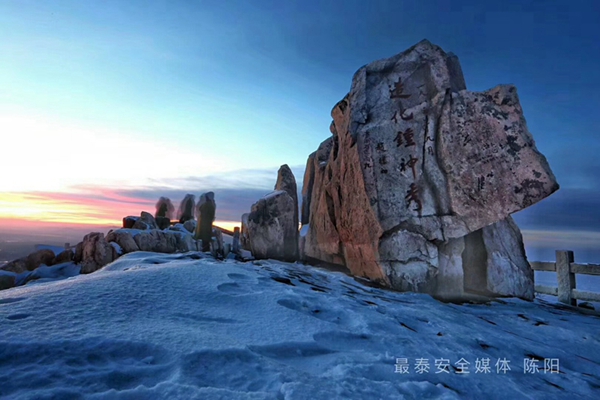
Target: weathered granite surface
(416, 163)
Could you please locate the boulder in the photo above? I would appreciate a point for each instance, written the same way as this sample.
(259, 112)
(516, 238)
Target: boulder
(508, 272)
(17, 266)
(7, 280)
(190, 225)
(271, 227)
(163, 222)
(124, 239)
(96, 252)
(64, 256)
(129, 221)
(184, 242)
(215, 244)
(235, 245)
(415, 187)
(186, 208)
(244, 238)
(78, 253)
(307, 187)
(38, 258)
(206, 216)
(164, 209)
(146, 221)
(156, 241)
(287, 182)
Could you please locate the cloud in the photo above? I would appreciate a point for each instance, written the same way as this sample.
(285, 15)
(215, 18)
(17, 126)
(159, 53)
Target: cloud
(567, 209)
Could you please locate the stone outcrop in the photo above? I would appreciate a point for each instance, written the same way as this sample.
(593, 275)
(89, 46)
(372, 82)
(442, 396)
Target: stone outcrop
(271, 229)
(163, 222)
(287, 182)
(96, 252)
(206, 216)
(416, 185)
(64, 256)
(32, 261)
(164, 208)
(186, 208)
(190, 225)
(146, 221)
(244, 238)
(129, 221)
(124, 239)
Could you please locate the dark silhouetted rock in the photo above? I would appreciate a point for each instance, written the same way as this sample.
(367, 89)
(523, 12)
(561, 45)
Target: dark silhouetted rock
(64, 256)
(164, 209)
(206, 216)
(7, 281)
(129, 221)
(186, 208)
(38, 258)
(146, 221)
(244, 238)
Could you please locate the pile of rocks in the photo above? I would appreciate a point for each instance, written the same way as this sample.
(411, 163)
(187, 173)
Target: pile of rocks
(143, 233)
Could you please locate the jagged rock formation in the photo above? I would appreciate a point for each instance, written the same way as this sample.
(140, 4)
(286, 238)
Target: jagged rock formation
(416, 186)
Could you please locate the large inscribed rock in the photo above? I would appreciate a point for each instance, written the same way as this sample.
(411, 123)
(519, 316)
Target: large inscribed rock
(416, 165)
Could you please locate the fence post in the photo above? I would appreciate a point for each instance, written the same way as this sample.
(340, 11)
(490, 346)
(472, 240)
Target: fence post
(566, 279)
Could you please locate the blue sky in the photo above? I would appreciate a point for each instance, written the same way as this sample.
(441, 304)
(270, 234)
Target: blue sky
(148, 97)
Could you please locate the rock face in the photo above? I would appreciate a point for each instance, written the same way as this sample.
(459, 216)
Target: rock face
(64, 256)
(271, 227)
(186, 208)
(96, 252)
(38, 258)
(420, 175)
(287, 182)
(129, 221)
(206, 216)
(146, 221)
(123, 238)
(244, 238)
(164, 208)
(170, 241)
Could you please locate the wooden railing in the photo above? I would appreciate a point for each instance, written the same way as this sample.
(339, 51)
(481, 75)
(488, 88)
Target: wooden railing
(566, 268)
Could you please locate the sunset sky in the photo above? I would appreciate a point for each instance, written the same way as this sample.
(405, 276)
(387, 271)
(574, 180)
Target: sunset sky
(106, 106)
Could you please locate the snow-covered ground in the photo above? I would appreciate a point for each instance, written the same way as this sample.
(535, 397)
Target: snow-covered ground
(152, 326)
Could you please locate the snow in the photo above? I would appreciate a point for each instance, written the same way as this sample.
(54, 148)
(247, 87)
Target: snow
(185, 326)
